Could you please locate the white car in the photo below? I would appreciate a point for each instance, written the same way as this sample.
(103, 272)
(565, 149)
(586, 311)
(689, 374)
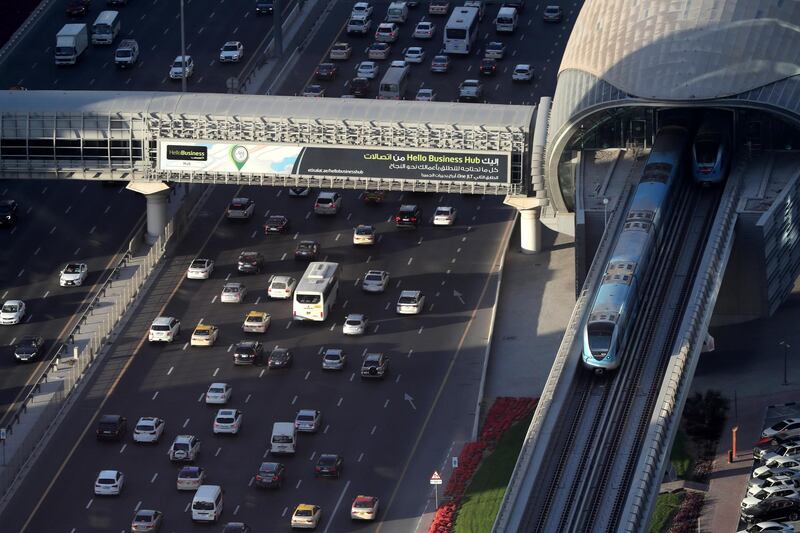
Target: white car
(410, 303)
(367, 69)
(148, 429)
(444, 216)
(364, 234)
(164, 329)
(361, 9)
(789, 427)
(308, 420)
(281, 287)
(73, 274)
(200, 269)
(176, 71)
(109, 483)
(190, 478)
(204, 335)
(769, 492)
(185, 448)
(775, 481)
(227, 421)
(375, 281)
(355, 324)
(306, 516)
(414, 54)
(256, 322)
(425, 30)
(233, 293)
(387, 32)
(12, 312)
(218, 393)
(771, 527)
(231, 52)
(494, 50)
(425, 95)
(522, 72)
(364, 508)
(776, 463)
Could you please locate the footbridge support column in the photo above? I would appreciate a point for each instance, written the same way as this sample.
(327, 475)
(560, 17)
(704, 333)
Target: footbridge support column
(157, 195)
(530, 226)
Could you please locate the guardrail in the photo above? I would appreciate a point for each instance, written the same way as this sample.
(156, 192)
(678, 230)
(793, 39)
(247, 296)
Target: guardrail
(680, 370)
(562, 371)
(17, 36)
(78, 350)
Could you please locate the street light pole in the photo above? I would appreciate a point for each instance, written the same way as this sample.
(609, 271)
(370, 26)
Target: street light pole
(183, 53)
(605, 213)
(786, 347)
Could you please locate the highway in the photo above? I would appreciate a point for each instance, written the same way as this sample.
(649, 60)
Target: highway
(393, 433)
(370, 423)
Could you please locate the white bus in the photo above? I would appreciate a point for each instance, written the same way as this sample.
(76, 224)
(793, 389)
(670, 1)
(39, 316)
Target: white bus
(105, 27)
(316, 293)
(461, 30)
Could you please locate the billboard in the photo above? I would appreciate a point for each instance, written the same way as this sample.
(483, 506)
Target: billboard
(296, 160)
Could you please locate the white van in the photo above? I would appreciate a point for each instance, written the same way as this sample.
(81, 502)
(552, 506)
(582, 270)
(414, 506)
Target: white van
(394, 83)
(506, 21)
(397, 12)
(106, 27)
(207, 503)
(284, 438)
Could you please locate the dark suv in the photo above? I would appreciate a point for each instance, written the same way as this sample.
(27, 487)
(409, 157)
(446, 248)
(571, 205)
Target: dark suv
(250, 262)
(409, 216)
(111, 427)
(28, 348)
(329, 465)
(270, 475)
(264, 7)
(308, 250)
(8, 213)
(359, 87)
(375, 365)
(248, 353)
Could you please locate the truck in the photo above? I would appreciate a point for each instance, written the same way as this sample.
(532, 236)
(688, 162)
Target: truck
(127, 53)
(71, 41)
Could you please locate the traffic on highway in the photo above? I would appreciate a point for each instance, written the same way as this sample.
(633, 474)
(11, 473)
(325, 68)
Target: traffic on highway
(216, 376)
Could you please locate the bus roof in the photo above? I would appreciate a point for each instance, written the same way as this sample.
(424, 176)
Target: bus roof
(462, 17)
(317, 276)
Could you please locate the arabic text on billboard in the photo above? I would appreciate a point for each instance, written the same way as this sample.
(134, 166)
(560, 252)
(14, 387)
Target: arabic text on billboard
(251, 158)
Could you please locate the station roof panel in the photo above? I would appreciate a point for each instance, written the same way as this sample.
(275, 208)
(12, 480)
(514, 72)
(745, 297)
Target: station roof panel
(274, 107)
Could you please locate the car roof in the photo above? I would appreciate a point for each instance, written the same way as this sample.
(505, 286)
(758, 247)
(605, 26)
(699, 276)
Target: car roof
(337, 351)
(257, 313)
(307, 412)
(233, 284)
(409, 293)
(184, 438)
(380, 272)
(203, 327)
(218, 384)
(280, 279)
(109, 418)
(226, 412)
(355, 316)
(162, 320)
(14, 302)
(108, 473)
(362, 498)
(305, 507)
(372, 356)
(148, 418)
(240, 200)
(234, 43)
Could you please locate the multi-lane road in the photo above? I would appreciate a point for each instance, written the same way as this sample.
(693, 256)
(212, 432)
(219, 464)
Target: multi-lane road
(393, 433)
(371, 424)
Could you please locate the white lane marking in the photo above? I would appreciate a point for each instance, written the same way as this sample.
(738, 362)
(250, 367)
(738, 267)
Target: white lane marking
(247, 399)
(397, 285)
(410, 259)
(216, 371)
(253, 235)
(265, 454)
(108, 208)
(299, 481)
(185, 345)
(355, 283)
(313, 454)
(369, 258)
(123, 448)
(230, 348)
(138, 505)
(214, 299)
(228, 276)
(186, 423)
(360, 456)
(419, 241)
(410, 352)
(92, 230)
(77, 251)
(397, 380)
(39, 249)
(236, 510)
(202, 395)
(46, 294)
(283, 256)
(5, 294)
(463, 239)
(294, 400)
(338, 503)
(262, 372)
(430, 308)
(376, 328)
(339, 403)
(285, 510)
(307, 374)
(452, 261)
(385, 405)
(21, 272)
(186, 509)
(373, 430)
(267, 213)
(258, 300)
(82, 189)
(327, 427)
(296, 235)
(321, 349)
(90, 503)
(30, 317)
(155, 395)
(308, 215)
(53, 230)
(170, 370)
(69, 208)
(218, 451)
(153, 479)
(251, 481)
(333, 326)
(349, 216)
(345, 304)
(289, 324)
(338, 236)
(352, 376)
(388, 305)
(420, 330)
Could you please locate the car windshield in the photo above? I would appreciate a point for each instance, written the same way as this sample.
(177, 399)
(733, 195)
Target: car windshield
(246, 350)
(159, 328)
(230, 48)
(780, 425)
(407, 300)
(364, 230)
(279, 354)
(216, 390)
(225, 420)
(230, 289)
(178, 64)
(106, 481)
(254, 318)
(305, 418)
(281, 439)
(143, 517)
(202, 332)
(275, 220)
(442, 211)
(332, 356)
(305, 246)
(307, 299)
(373, 277)
(363, 504)
(353, 322)
(278, 285)
(203, 506)
(10, 308)
(180, 447)
(72, 269)
(303, 512)
(198, 263)
(323, 200)
(248, 256)
(327, 460)
(149, 426)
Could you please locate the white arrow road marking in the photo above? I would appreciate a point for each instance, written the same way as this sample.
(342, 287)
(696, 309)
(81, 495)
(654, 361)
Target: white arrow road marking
(407, 397)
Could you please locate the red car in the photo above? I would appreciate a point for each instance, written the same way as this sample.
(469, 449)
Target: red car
(78, 8)
(488, 67)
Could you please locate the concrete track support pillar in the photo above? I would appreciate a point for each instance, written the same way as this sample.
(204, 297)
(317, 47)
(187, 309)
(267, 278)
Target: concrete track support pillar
(530, 225)
(157, 195)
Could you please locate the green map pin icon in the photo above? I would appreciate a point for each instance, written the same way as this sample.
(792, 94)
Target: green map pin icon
(239, 156)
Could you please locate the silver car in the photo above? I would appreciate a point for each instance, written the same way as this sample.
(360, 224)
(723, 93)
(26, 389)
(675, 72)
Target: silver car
(308, 420)
(233, 293)
(375, 281)
(355, 324)
(333, 359)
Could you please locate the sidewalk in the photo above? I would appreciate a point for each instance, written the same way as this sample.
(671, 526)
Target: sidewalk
(747, 367)
(537, 296)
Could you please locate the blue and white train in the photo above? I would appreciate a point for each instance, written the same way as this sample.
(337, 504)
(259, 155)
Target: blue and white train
(711, 150)
(616, 302)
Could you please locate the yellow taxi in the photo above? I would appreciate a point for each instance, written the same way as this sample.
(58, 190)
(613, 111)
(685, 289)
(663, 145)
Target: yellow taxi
(306, 516)
(256, 322)
(205, 335)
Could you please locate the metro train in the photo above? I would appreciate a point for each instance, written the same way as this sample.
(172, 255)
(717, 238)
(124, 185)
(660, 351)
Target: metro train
(711, 150)
(617, 300)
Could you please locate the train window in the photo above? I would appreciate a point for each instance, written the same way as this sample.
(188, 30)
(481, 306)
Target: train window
(656, 172)
(600, 337)
(705, 152)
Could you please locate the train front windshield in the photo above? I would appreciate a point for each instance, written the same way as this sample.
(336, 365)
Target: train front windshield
(600, 335)
(705, 153)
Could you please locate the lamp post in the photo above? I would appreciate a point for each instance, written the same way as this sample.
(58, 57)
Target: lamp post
(605, 212)
(183, 53)
(786, 347)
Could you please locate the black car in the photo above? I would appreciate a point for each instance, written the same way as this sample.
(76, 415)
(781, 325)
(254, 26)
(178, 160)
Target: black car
(250, 262)
(280, 358)
(359, 87)
(552, 14)
(276, 224)
(264, 8)
(408, 216)
(488, 67)
(77, 8)
(28, 348)
(270, 475)
(236, 527)
(8, 212)
(308, 250)
(775, 508)
(325, 71)
(111, 427)
(329, 465)
(248, 353)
